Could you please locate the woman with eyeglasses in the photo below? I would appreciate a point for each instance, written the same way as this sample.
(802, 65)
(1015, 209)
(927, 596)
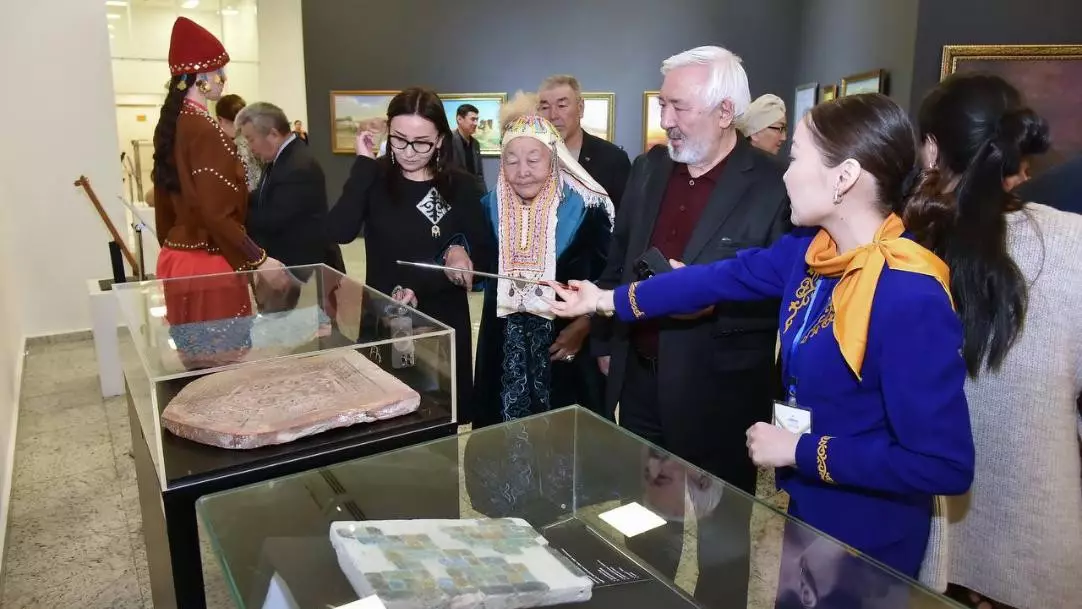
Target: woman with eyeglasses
(414, 205)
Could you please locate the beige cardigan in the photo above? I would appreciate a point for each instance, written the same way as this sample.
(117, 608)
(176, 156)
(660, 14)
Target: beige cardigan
(1017, 535)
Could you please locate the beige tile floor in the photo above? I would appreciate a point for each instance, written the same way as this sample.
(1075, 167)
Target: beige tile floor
(75, 532)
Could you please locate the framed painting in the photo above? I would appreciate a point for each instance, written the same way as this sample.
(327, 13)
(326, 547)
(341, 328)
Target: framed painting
(804, 100)
(1049, 78)
(865, 82)
(599, 115)
(652, 133)
(352, 111)
(828, 93)
(488, 116)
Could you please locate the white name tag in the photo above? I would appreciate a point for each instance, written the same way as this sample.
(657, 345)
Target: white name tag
(792, 418)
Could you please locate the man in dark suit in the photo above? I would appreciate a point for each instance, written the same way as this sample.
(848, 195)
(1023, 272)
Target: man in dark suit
(1059, 187)
(287, 210)
(695, 385)
(466, 151)
(560, 101)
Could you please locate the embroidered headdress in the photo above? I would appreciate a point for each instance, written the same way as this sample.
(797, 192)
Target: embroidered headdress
(527, 233)
(194, 50)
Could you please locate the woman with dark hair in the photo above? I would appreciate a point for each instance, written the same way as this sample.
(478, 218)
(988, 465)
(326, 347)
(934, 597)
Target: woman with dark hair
(226, 110)
(201, 203)
(1016, 276)
(415, 205)
(876, 424)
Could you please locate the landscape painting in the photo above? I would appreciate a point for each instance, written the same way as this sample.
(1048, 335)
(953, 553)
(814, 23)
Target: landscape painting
(352, 111)
(1049, 78)
(488, 117)
(652, 133)
(598, 115)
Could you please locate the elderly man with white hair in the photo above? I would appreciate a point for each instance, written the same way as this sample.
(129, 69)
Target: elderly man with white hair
(763, 123)
(694, 385)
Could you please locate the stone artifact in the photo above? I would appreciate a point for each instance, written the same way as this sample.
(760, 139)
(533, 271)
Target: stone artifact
(279, 401)
(449, 564)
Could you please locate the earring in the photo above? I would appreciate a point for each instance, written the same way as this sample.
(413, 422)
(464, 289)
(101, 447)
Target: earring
(837, 194)
(437, 159)
(392, 158)
(217, 78)
(182, 85)
(203, 86)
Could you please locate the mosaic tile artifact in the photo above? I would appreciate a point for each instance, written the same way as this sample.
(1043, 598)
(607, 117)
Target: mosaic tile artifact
(435, 564)
(279, 401)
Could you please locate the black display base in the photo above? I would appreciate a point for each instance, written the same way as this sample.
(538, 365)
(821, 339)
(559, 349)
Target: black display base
(170, 529)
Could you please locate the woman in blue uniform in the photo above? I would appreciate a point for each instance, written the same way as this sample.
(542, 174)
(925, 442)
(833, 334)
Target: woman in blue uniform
(877, 422)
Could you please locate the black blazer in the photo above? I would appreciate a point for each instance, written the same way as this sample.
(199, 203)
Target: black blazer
(286, 212)
(607, 163)
(748, 208)
(459, 153)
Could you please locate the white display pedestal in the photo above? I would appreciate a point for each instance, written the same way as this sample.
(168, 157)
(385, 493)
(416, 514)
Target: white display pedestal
(104, 319)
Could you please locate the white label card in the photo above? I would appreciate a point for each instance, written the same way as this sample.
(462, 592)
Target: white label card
(792, 418)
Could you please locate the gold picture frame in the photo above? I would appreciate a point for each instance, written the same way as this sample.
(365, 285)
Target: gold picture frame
(488, 119)
(652, 133)
(1049, 76)
(828, 93)
(352, 109)
(866, 82)
(599, 114)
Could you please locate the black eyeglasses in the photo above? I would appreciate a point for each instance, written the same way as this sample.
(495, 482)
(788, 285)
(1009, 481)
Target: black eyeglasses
(419, 146)
(779, 128)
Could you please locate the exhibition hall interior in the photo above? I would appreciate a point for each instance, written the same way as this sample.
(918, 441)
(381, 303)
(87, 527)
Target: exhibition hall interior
(610, 304)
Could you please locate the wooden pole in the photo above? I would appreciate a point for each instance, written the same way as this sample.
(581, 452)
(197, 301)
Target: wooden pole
(84, 182)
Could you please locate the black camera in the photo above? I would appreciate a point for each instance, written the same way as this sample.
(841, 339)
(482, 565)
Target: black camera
(653, 262)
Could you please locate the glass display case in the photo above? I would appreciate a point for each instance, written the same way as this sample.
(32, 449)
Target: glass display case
(322, 313)
(237, 378)
(647, 529)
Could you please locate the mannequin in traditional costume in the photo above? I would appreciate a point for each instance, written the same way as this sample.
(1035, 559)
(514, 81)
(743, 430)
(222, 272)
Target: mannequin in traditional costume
(201, 198)
(551, 221)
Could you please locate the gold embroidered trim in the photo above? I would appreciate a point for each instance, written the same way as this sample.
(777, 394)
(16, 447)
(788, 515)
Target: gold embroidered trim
(216, 173)
(824, 321)
(802, 297)
(202, 245)
(635, 310)
(821, 460)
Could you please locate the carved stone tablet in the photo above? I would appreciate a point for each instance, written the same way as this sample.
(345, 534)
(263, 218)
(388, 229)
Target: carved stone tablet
(278, 402)
(422, 564)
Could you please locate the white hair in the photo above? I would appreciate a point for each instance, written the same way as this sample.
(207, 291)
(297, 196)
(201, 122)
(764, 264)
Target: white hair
(727, 78)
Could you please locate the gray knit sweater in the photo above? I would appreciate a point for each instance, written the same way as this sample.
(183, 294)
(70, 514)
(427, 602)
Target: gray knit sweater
(1017, 536)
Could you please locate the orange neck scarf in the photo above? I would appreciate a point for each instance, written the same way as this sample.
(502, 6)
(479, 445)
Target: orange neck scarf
(859, 270)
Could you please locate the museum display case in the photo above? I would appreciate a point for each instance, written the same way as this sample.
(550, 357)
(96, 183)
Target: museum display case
(236, 378)
(641, 526)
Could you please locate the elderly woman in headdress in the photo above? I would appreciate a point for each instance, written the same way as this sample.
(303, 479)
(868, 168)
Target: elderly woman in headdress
(551, 221)
(763, 123)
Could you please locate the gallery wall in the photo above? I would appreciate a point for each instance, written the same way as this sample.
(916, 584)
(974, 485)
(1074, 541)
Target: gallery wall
(475, 46)
(840, 38)
(987, 22)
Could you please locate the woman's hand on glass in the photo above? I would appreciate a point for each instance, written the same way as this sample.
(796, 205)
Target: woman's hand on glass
(576, 299)
(366, 144)
(456, 257)
(274, 273)
(404, 296)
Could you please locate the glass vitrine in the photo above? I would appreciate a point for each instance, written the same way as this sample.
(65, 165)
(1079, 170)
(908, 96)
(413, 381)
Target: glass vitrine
(227, 331)
(648, 529)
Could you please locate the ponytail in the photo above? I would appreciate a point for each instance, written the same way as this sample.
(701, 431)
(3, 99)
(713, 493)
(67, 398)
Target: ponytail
(963, 219)
(164, 172)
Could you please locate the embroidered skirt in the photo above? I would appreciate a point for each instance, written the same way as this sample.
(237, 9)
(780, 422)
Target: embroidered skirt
(208, 307)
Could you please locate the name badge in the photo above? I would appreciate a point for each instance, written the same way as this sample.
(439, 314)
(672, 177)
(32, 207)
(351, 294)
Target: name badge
(792, 418)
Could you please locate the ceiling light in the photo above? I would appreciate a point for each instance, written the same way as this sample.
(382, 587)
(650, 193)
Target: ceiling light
(230, 11)
(189, 4)
(632, 519)
(121, 3)
(114, 16)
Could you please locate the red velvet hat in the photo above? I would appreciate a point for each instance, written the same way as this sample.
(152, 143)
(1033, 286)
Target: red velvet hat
(194, 50)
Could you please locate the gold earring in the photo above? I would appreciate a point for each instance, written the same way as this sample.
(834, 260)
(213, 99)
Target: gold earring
(203, 86)
(217, 79)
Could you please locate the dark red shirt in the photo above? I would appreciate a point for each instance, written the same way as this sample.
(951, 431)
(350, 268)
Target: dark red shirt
(681, 207)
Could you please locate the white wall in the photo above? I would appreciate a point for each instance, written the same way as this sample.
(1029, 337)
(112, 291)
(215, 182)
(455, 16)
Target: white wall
(60, 51)
(281, 58)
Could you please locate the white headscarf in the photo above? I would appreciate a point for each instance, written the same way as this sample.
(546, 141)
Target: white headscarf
(761, 113)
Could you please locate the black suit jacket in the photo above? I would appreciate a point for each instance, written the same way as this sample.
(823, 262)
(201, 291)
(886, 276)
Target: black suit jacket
(607, 163)
(748, 208)
(286, 212)
(459, 150)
